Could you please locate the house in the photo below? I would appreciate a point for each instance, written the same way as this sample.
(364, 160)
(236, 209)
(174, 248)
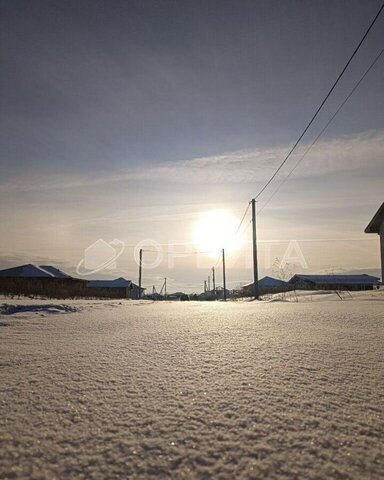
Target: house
(180, 296)
(376, 225)
(28, 271)
(117, 288)
(266, 285)
(334, 282)
(44, 280)
(217, 294)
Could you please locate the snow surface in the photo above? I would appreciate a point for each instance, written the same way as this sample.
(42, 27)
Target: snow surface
(124, 389)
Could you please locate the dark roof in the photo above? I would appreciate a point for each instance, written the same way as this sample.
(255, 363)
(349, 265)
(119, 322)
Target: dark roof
(271, 282)
(362, 279)
(377, 220)
(117, 283)
(54, 271)
(268, 282)
(33, 271)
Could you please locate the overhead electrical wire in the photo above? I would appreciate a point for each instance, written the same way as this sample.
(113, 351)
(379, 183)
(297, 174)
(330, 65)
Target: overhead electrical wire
(193, 252)
(242, 220)
(324, 129)
(247, 225)
(218, 261)
(323, 102)
(301, 136)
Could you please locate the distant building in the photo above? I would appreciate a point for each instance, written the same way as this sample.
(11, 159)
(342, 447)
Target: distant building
(376, 225)
(266, 285)
(217, 294)
(118, 288)
(181, 296)
(42, 280)
(334, 282)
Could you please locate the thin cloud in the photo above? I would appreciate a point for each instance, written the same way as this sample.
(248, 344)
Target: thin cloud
(352, 152)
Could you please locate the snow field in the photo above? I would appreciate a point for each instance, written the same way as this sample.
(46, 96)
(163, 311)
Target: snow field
(194, 390)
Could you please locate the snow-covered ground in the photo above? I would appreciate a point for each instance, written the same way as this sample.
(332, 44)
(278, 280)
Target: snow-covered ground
(118, 389)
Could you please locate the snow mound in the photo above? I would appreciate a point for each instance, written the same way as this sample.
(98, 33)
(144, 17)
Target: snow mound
(7, 309)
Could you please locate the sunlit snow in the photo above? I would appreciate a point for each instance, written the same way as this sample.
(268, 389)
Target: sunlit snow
(274, 390)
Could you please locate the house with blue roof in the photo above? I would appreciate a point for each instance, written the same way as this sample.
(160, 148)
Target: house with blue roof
(334, 282)
(44, 280)
(267, 285)
(117, 288)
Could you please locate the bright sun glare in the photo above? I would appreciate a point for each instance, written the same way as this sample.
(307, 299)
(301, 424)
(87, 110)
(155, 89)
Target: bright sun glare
(216, 230)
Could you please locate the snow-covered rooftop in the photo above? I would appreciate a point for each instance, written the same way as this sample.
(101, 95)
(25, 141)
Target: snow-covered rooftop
(54, 271)
(33, 271)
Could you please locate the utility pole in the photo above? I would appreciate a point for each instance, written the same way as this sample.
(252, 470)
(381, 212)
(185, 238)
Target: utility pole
(224, 280)
(213, 280)
(209, 283)
(140, 268)
(255, 269)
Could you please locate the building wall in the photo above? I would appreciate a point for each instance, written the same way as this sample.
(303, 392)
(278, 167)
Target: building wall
(382, 250)
(308, 285)
(106, 292)
(134, 292)
(266, 289)
(47, 287)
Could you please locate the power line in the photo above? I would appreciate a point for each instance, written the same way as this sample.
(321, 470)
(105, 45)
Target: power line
(323, 102)
(191, 243)
(233, 259)
(186, 252)
(242, 220)
(324, 129)
(246, 226)
(218, 260)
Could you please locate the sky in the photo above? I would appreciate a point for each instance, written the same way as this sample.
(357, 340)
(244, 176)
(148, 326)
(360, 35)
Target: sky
(129, 120)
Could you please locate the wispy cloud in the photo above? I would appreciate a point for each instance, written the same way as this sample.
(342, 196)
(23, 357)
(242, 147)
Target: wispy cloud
(350, 153)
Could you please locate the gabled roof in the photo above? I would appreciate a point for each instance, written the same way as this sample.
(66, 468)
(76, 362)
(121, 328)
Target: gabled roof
(26, 271)
(33, 271)
(377, 220)
(268, 282)
(176, 294)
(271, 282)
(116, 283)
(54, 271)
(362, 279)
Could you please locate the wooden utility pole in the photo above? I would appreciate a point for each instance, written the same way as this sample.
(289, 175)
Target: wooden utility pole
(255, 269)
(224, 280)
(140, 269)
(213, 280)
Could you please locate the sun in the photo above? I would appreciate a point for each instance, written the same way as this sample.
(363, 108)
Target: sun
(215, 230)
